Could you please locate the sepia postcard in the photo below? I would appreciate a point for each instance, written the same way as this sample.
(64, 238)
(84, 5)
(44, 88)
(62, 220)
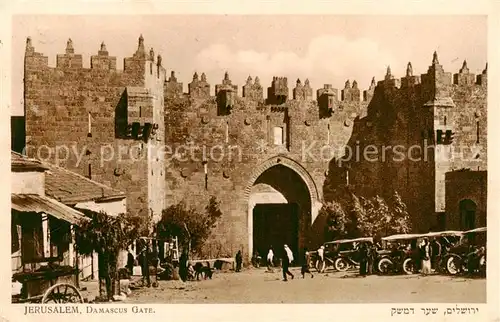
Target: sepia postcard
(271, 153)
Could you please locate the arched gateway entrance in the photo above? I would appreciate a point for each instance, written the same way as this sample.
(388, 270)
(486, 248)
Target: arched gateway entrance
(282, 203)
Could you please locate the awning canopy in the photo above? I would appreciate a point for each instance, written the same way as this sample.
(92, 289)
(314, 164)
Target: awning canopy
(41, 204)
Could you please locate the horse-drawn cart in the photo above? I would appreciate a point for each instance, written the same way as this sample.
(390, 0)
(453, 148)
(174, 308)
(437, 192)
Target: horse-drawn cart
(48, 284)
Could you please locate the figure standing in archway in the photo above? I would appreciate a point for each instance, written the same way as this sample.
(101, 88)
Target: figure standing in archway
(270, 260)
(287, 260)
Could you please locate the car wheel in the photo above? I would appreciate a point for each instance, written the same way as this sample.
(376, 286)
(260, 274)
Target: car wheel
(409, 266)
(341, 264)
(385, 265)
(453, 265)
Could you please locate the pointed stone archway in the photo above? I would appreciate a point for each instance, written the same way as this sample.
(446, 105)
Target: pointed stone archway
(283, 202)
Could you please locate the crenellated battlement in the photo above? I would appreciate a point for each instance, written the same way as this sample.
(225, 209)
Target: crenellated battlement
(302, 92)
(144, 68)
(351, 93)
(435, 81)
(277, 93)
(434, 88)
(435, 84)
(70, 61)
(91, 107)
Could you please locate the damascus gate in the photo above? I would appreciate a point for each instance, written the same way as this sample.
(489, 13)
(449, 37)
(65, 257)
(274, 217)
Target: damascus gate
(266, 149)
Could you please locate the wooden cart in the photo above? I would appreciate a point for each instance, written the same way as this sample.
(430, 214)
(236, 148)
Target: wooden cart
(50, 285)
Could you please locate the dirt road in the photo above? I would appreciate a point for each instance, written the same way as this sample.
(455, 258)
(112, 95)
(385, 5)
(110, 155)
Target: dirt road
(259, 286)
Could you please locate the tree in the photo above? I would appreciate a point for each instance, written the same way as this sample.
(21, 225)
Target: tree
(107, 236)
(191, 227)
(336, 220)
(400, 222)
(354, 216)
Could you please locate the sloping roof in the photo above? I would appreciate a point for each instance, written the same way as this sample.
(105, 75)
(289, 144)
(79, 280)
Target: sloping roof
(66, 186)
(40, 204)
(21, 162)
(71, 188)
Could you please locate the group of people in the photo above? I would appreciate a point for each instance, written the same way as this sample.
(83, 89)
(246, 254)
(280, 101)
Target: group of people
(425, 257)
(147, 258)
(286, 261)
(367, 256)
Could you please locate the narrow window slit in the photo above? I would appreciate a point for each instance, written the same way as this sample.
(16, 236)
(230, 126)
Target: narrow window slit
(89, 134)
(328, 135)
(477, 131)
(205, 169)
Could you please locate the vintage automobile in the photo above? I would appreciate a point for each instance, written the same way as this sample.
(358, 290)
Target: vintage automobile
(446, 239)
(340, 254)
(349, 256)
(471, 247)
(400, 255)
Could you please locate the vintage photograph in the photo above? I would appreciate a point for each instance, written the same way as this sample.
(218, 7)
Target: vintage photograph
(226, 159)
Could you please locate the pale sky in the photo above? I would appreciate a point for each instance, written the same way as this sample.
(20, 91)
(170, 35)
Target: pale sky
(325, 49)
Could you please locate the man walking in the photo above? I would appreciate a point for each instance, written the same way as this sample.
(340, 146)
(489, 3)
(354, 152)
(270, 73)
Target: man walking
(305, 264)
(287, 260)
(270, 259)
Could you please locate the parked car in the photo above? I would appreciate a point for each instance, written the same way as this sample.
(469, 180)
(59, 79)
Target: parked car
(472, 247)
(340, 254)
(447, 240)
(401, 254)
(349, 256)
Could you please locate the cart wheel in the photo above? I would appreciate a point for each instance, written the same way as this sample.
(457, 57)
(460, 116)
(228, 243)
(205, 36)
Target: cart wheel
(62, 293)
